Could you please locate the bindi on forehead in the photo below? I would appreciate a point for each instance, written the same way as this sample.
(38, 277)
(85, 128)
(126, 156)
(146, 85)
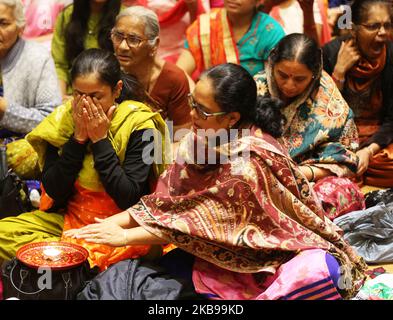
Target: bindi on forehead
(291, 74)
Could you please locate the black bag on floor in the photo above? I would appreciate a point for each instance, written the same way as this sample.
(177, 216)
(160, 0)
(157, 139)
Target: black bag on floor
(375, 197)
(14, 196)
(26, 283)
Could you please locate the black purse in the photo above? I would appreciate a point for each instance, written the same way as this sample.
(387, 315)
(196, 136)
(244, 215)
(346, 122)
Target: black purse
(26, 283)
(14, 196)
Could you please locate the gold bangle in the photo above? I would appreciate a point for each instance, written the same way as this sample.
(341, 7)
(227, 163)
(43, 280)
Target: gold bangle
(335, 79)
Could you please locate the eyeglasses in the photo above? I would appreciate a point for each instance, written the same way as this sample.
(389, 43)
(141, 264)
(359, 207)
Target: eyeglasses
(131, 40)
(202, 114)
(375, 27)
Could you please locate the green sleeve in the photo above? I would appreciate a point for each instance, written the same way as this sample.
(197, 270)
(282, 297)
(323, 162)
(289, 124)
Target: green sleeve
(273, 33)
(58, 46)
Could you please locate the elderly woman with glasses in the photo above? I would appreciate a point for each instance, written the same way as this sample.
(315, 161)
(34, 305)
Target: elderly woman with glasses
(28, 78)
(361, 64)
(28, 86)
(136, 38)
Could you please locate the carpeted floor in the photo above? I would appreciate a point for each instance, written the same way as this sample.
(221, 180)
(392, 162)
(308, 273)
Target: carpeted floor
(366, 189)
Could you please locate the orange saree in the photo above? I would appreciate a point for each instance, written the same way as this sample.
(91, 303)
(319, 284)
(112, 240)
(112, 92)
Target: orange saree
(82, 209)
(212, 48)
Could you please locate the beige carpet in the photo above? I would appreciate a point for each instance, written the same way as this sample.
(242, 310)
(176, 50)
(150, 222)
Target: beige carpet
(366, 189)
(387, 267)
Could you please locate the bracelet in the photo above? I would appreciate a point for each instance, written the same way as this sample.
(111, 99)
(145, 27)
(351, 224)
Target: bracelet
(341, 81)
(125, 237)
(370, 150)
(312, 173)
(79, 141)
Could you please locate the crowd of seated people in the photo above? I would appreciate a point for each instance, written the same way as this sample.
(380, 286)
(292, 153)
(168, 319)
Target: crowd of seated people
(271, 116)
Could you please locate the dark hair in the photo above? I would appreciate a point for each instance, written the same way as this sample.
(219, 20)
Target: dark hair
(359, 8)
(301, 48)
(76, 30)
(235, 91)
(107, 68)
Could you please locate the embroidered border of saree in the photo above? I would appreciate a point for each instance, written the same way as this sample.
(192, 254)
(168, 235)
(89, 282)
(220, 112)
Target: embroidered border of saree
(212, 48)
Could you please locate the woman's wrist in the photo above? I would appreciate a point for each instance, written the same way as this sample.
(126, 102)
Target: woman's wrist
(98, 139)
(125, 239)
(79, 140)
(312, 173)
(310, 26)
(308, 172)
(339, 82)
(370, 151)
(339, 72)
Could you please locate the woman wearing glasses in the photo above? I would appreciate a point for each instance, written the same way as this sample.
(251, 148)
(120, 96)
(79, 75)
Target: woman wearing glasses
(320, 132)
(82, 25)
(247, 228)
(361, 64)
(135, 38)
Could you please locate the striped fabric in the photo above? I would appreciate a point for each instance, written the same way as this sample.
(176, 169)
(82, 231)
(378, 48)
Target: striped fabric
(320, 290)
(304, 277)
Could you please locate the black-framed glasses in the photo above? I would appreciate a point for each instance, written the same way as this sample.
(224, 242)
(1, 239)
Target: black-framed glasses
(201, 113)
(375, 27)
(131, 40)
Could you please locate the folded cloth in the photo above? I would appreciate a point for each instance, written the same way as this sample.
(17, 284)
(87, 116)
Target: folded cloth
(380, 288)
(370, 232)
(339, 196)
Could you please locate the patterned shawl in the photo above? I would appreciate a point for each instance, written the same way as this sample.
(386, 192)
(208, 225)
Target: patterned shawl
(320, 128)
(247, 215)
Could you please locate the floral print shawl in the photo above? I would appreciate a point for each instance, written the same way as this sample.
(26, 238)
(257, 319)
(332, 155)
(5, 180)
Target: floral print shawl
(246, 216)
(320, 128)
